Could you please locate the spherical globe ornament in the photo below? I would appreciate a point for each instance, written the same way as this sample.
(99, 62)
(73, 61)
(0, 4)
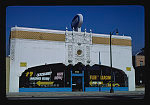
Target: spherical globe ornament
(77, 21)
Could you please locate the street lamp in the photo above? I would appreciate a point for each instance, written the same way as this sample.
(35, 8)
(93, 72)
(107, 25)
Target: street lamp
(111, 89)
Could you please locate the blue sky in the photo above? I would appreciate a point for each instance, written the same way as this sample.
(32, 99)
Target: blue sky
(129, 19)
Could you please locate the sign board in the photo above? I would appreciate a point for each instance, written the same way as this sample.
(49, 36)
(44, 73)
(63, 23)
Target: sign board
(105, 77)
(77, 72)
(59, 76)
(94, 77)
(128, 68)
(23, 64)
(99, 75)
(77, 21)
(45, 76)
(102, 77)
(39, 83)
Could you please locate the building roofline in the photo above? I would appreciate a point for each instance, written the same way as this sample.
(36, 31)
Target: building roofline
(63, 32)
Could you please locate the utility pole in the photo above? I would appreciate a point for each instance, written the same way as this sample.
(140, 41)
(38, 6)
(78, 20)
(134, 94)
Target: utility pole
(111, 90)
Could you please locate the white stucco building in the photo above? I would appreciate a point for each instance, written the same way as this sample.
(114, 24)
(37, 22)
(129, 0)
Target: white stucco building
(31, 47)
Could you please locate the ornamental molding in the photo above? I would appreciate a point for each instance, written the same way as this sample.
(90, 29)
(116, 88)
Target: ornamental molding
(78, 45)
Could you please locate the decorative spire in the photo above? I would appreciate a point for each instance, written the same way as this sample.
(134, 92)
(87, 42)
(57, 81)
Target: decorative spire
(85, 32)
(90, 36)
(90, 31)
(66, 28)
(66, 31)
(72, 30)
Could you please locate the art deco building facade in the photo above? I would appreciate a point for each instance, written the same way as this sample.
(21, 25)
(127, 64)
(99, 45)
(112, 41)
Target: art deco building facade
(31, 47)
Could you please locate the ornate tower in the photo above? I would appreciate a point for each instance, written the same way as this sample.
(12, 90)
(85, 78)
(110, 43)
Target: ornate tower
(78, 45)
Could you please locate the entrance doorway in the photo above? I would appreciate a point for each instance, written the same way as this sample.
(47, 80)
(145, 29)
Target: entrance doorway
(77, 83)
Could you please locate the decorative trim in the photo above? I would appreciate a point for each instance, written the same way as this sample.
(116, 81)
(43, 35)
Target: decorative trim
(37, 35)
(61, 37)
(101, 40)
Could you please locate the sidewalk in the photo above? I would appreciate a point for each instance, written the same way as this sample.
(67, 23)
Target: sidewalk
(139, 89)
(64, 94)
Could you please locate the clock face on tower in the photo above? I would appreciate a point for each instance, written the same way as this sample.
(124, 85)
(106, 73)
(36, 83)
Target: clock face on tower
(79, 52)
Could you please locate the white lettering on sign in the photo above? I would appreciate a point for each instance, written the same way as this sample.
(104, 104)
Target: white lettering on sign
(43, 74)
(35, 78)
(46, 78)
(60, 73)
(39, 78)
(59, 76)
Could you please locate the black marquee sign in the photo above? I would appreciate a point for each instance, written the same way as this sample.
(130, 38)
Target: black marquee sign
(58, 75)
(45, 76)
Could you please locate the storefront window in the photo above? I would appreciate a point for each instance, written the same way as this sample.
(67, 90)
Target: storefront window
(141, 63)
